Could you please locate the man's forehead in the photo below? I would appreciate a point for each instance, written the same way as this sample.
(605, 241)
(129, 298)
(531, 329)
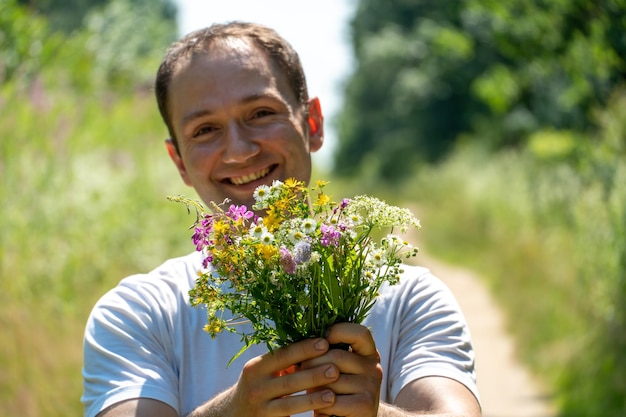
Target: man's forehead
(231, 47)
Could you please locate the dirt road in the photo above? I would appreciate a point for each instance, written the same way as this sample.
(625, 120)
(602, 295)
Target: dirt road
(506, 387)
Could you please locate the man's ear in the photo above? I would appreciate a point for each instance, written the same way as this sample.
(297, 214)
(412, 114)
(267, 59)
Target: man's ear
(316, 125)
(178, 161)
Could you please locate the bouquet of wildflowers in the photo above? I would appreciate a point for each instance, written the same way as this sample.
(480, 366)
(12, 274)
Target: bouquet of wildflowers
(306, 264)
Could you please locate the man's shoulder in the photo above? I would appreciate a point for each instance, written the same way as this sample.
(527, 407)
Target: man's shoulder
(171, 280)
(417, 284)
(413, 276)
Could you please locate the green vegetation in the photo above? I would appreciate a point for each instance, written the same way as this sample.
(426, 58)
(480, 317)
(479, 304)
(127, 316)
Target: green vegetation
(84, 176)
(520, 105)
(83, 181)
(550, 236)
(432, 73)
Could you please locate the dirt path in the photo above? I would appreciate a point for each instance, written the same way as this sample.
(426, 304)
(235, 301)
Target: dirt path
(506, 387)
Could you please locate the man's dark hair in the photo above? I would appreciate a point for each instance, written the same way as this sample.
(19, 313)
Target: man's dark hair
(278, 49)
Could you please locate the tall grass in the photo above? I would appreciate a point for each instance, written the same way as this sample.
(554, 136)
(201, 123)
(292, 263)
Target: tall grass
(550, 236)
(83, 181)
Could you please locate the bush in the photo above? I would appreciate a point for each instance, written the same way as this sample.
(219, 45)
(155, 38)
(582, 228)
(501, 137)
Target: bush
(550, 236)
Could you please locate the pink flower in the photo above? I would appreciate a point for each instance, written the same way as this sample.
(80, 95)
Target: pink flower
(237, 212)
(330, 235)
(287, 261)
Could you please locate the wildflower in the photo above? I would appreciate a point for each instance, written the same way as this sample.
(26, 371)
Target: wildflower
(262, 193)
(308, 226)
(287, 261)
(355, 219)
(267, 238)
(368, 275)
(275, 188)
(378, 257)
(257, 231)
(302, 252)
(239, 212)
(322, 200)
(266, 252)
(330, 235)
(315, 257)
(296, 236)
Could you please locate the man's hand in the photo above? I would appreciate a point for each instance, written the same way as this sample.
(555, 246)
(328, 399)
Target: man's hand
(264, 389)
(267, 382)
(358, 386)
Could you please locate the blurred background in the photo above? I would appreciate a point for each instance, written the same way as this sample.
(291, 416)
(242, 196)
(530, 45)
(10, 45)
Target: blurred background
(502, 123)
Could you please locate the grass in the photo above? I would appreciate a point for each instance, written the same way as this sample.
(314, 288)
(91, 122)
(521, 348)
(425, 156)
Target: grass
(550, 242)
(84, 190)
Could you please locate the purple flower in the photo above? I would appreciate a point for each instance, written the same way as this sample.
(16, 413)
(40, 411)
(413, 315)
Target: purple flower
(201, 234)
(302, 252)
(287, 261)
(207, 260)
(237, 212)
(330, 235)
(342, 206)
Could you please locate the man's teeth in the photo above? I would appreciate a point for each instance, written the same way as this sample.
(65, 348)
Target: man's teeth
(249, 178)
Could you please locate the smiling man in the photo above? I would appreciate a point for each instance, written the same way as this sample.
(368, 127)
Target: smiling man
(235, 102)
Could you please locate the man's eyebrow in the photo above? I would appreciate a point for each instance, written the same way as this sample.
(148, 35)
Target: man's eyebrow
(259, 96)
(246, 100)
(195, 115)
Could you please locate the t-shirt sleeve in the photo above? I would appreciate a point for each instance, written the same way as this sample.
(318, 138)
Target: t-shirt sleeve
(433, 339)
(126, 352)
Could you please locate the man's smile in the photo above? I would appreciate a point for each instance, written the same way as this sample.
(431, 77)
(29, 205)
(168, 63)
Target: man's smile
(245, 179)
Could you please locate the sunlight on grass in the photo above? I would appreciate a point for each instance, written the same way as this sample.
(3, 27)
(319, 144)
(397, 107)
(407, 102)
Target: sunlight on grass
(85, 191)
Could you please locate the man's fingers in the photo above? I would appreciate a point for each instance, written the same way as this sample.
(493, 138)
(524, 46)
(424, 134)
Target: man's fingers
(358, 337)
(295, 404)
(285, 357)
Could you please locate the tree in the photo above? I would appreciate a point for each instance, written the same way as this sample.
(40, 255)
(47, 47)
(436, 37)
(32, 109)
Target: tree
(118, 45)
(431, 72)
(68, 15)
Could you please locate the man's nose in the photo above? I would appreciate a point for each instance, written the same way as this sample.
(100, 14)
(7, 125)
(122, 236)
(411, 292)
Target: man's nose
(240, 144)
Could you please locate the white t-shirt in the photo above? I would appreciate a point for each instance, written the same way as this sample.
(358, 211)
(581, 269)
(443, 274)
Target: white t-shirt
(143, 339)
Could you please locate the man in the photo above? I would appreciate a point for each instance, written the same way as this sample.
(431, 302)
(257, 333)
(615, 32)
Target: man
(235, 102)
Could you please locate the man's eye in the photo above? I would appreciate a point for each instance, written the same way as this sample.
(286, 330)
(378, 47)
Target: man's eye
(263, 113)
(203, 131)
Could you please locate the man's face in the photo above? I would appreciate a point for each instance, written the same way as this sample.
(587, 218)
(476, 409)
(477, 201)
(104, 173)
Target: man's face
(239, 124)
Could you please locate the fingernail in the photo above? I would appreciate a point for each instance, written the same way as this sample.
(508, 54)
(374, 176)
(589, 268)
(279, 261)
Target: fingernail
(331, 372)
(328, 397)
(321, 345)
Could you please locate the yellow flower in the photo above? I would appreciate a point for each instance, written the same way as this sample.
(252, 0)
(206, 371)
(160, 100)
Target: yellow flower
(272, 220)
(220, 227)
(322, 200)
(293, 183)
(266, 251)
(321, 183)
(214, 326)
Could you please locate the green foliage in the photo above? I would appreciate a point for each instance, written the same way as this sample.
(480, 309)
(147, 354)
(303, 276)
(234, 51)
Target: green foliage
(63, 15)
(83, 180)
(107, 53)
(126, 37)
(431, 74)
(549, 233)
(67, 16)
(22, 48)
(85, 187)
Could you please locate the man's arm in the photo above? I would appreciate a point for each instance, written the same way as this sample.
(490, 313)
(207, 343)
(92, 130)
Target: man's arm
(358, 387)
(433, 396)
(139, 407)
(263, 388)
